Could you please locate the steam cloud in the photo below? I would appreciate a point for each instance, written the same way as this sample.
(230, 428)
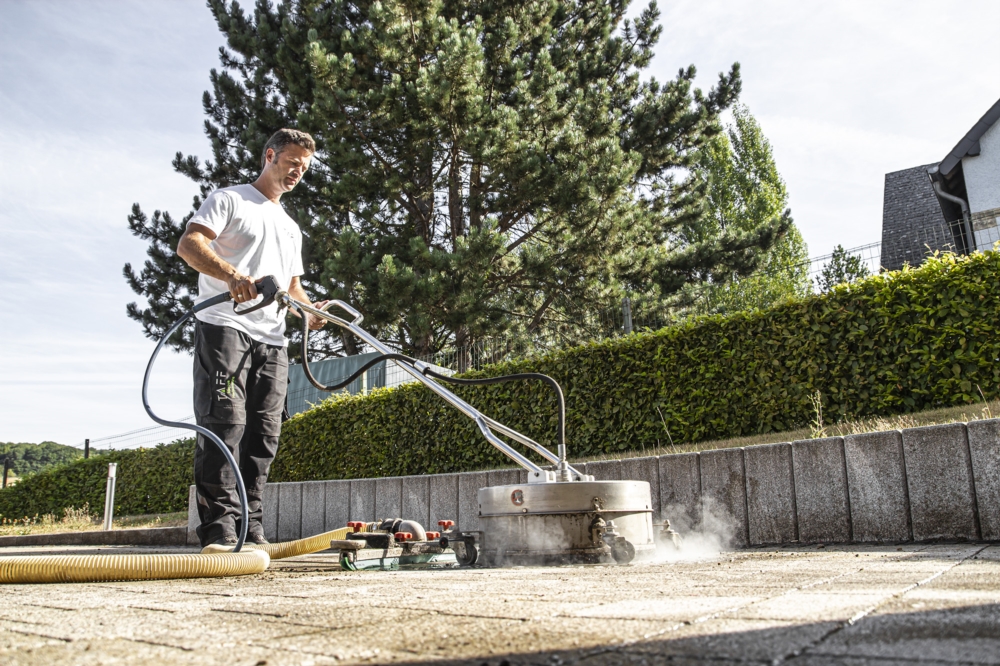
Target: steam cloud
(703, 537)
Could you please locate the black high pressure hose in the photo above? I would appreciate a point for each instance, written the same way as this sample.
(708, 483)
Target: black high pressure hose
(427, 372)
(267, 287)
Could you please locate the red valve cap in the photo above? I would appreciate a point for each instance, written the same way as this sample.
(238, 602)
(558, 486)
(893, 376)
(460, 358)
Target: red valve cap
(446, 524)
(431, 536)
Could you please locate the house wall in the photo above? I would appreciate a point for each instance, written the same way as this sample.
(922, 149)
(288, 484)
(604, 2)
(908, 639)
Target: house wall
(982, 173)
(982, 181)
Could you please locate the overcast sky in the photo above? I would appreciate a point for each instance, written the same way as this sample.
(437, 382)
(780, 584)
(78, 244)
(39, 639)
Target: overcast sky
(96, 97)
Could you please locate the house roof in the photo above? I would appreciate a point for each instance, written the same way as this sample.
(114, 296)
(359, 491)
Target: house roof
(969, 145)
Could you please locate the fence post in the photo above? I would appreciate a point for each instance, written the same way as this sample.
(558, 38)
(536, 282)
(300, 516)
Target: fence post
(627, 314)
(86, 449)
(109, 496)
(6, 468)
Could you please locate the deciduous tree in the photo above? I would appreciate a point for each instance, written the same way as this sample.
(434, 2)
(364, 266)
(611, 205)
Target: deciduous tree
(746, 192)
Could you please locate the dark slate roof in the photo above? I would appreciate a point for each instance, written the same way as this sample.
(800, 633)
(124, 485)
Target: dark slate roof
(912, 219)
(969, 145)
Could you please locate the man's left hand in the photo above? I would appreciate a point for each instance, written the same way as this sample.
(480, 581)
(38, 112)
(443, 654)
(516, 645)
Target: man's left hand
(316, 323)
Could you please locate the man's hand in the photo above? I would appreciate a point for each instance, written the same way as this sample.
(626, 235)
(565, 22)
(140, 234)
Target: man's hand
(242, 288)
(316, 323)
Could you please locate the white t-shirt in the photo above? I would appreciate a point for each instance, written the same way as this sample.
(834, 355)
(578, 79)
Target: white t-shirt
(258, 238)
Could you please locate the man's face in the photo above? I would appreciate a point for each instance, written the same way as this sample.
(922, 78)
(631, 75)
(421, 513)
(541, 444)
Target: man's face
(287, 167)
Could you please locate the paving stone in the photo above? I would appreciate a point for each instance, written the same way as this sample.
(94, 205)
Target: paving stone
(984, 445)
(388, 497)
(443, 499)
(822, 605)
(605, 470)
(416, 500)
(338, 504)
(289, 511)
(939, 480)
(270, 506)
(363, 500)
(193, 519)
(313, 508)
(770, 494)
(680, 490)
(727, 641)
(648, 470)
(821, 500)
(724, 493)
(677, 607)
(962, 634)
(469, 484)
(876, 482)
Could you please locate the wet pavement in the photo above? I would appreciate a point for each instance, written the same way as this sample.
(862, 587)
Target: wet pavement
(885, 605)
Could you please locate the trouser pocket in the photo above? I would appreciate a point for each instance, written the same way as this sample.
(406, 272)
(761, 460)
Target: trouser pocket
(222, 360)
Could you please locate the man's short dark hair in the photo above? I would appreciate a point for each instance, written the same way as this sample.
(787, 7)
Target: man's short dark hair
(286, 137)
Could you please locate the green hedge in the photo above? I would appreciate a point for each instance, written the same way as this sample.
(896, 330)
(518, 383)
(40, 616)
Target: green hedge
(895, 342)
(152, 480)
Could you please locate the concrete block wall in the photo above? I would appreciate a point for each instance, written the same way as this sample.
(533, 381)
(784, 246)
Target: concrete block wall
(934, 482)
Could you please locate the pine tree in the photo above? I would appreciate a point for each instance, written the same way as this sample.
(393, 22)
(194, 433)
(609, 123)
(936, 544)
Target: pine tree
(843, 268)
(484, 168)
(747, 193)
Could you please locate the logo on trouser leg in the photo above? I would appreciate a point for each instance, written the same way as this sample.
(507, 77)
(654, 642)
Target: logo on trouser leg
(225, 386)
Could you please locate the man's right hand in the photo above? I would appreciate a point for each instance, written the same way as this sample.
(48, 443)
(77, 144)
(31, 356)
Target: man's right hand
(242, 288)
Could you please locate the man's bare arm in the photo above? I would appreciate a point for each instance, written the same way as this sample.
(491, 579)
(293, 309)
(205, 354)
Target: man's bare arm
(296, 291)
(195, 249)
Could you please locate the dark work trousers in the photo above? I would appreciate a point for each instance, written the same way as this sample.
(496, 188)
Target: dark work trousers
(239, 394)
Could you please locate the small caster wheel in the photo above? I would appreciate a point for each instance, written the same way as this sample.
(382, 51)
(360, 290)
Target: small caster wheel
(622, 551)
(467, 556)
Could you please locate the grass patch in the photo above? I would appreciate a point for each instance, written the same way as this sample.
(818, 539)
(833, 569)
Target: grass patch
(959, 414)
(82, 520)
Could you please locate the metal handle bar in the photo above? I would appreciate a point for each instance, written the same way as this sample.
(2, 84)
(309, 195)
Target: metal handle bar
(358, 317)
(486, 425)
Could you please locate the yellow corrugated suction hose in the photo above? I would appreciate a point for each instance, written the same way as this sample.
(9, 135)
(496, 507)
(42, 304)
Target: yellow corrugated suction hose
(213, 562)
(279, 551)
(107, 568)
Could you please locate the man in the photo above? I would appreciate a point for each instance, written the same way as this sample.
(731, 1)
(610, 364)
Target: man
(239, 235)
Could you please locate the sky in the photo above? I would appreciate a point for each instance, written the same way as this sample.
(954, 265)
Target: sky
(96, 97)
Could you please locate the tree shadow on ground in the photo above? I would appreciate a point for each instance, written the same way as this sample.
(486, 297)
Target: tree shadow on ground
(953, 635)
